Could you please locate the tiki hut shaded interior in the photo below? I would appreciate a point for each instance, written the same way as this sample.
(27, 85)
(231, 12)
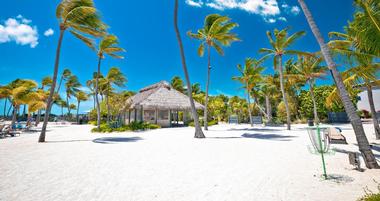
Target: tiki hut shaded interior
(159, 104)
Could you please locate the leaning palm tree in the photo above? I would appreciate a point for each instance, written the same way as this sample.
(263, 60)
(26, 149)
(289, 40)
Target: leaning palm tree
(308, 69)
(72, 87)
(79, 17)
(269, 90)
(113, 77)
(107, 46)
(356, 122)
(64, 76)
(280, 44)
(250, 76)
(80, 96)
(198, 129)
(46, 81)
(215, 33)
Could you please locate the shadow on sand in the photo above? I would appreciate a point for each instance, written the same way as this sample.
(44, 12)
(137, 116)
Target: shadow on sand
(113, 140)
(63, 141)
(269, 136)
(255, 129)
(343, 151)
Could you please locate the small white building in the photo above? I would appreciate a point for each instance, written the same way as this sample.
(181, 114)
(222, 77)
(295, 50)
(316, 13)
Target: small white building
(363, 103)
(158, 104)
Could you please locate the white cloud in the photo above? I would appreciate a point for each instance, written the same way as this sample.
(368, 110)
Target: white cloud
(49, 32)
(19, 31)
(270, 20)
(284, 5)
(194, 3)
(260, 7)
(295, 10)
(282, 19)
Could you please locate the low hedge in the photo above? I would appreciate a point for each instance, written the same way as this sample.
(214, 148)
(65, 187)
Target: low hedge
(209, 123)
(134, 126)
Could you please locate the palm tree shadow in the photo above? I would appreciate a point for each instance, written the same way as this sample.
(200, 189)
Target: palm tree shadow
(255, 129)
(113, 140)
(275, 137)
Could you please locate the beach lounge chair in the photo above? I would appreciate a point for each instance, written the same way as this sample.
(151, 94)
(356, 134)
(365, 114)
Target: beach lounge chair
(335, 136)
(2, 134)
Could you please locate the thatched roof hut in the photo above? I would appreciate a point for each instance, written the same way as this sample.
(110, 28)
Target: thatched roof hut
(162, 96)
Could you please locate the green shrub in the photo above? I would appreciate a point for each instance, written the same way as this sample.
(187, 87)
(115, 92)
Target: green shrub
(134, 126)
(371, 196)
(209, 123)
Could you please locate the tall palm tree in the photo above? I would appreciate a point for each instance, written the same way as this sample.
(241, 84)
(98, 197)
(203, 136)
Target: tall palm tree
(113, 77)
(269, 89)
(4, 94)
(250, 76)
(64, 76)
(356, 122)
(198, 129)
(308, 69)
(78, 17)
(280, 44)
(215, 33)
(80, 96)
(46, 81)
(107, 46)
(177, 84)
(364, 74)
(72, 87)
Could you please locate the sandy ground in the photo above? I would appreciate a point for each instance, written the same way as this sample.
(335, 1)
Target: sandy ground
(234, 163)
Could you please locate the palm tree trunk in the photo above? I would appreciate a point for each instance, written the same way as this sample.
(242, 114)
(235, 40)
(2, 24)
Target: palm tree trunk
(269, 108)
(52, 88)
(108, 108)
(198, 129)
(5, 106)
(78, 112)
(285, 99)
(14, 117)
(373, 112)
(9, 109)
(356, 122)
(207, 86)
(24, 111)
(314, 103)
(96, 94)
(60, 83)
(68, 107)
(38, 119)
(249, 106)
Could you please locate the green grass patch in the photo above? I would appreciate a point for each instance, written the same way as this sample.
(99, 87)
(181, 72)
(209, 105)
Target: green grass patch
(134, 126)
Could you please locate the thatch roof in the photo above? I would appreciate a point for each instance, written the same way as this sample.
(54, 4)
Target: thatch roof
(161, 96)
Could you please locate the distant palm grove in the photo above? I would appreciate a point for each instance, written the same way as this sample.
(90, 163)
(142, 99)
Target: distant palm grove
(289, 95)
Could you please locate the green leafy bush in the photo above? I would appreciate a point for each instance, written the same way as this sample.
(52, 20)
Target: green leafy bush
(209, 123)
(134, 126)
(371, 196)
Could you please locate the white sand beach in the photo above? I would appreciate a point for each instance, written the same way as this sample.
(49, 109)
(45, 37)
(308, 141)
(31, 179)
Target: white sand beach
(234, 163)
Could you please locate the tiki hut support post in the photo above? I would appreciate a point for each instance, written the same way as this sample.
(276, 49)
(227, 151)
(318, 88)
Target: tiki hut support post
(156, 115)
(135, 115)
(129, 116)
(141, 114)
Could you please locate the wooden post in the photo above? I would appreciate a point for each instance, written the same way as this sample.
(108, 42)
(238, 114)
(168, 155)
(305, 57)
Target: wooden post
(129, 116)
(156, 115)
(177, 117)
(142, 114)
(135, 114)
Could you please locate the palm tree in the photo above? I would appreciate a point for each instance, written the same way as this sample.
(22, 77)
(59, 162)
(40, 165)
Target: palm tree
(65, 75)
(250, 75)
(198, 129)
(114, 77)
(356, 122)
(177, 84)
(364, 74)
(79, 17)
(107, 46)
(215, 33)
(308, 69)
(4, 94)
(196, 88)
(280, 45)
(268, 88)
(46, 81)
(72, 87)
(80, 96)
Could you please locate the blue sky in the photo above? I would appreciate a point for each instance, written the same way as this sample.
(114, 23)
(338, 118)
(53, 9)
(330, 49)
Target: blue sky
(145, 30)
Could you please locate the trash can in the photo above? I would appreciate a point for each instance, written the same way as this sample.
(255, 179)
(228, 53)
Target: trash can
(310, 122)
